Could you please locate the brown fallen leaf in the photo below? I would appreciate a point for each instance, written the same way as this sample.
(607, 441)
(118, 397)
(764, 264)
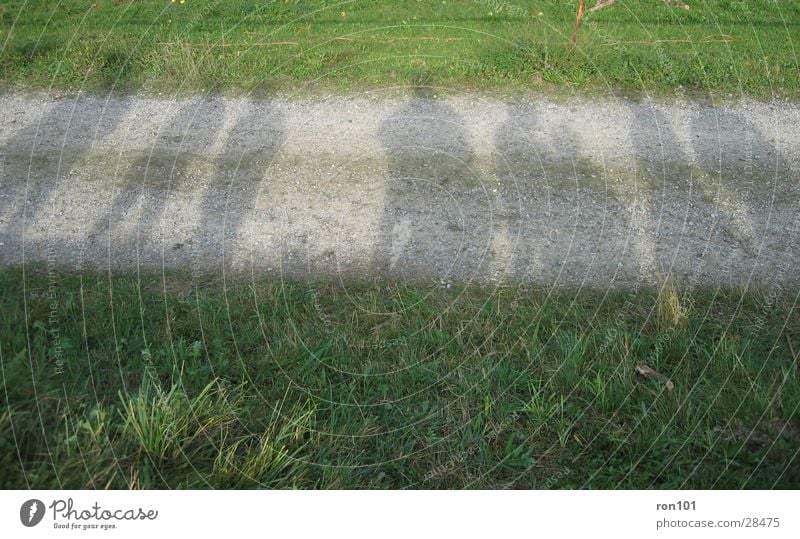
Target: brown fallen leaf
(649, 373)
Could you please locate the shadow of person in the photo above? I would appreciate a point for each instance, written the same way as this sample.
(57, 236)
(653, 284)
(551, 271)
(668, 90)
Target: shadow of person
(168, 170)
(257, 135)
(661, 177)
(42, 155)
(570, 231)
(426, 229)
(520, 170)
(747, 185)
(664, 169)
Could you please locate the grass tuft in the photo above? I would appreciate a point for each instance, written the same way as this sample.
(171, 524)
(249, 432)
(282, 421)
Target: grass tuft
(670, 311)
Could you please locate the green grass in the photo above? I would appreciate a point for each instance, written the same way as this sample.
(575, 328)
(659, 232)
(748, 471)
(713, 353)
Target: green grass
(174, 381)
(303, 46)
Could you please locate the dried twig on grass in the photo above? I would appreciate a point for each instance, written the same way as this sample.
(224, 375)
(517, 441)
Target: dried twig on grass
(608, 3)
(601, 4)
(578, 19)
(645, 371)
(213, 45)
(722, 38)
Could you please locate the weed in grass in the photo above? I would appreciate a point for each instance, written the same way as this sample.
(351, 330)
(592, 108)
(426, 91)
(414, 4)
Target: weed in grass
(670, 312)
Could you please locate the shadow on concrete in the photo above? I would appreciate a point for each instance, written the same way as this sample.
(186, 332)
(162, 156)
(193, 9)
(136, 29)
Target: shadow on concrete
(41, 155)
(257, 135)
(425, 228)
(743, 178)
(174, 167)
(569, 225)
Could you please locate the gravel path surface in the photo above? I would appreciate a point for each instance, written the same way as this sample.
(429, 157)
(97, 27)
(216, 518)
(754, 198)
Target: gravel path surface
(556, 193)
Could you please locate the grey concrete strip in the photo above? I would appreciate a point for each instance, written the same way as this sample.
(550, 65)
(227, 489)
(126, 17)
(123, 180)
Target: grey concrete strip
(607, 193)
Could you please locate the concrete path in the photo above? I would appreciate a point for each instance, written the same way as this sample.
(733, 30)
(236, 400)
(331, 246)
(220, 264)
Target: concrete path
(608, 193)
